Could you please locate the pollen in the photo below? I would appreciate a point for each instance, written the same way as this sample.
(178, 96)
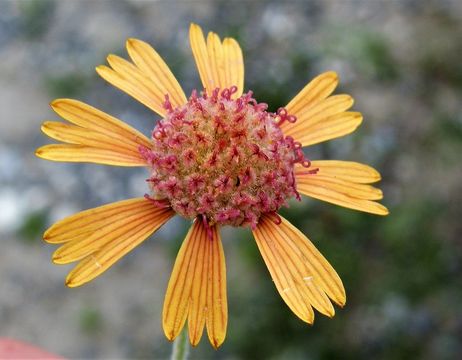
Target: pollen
(223, 159)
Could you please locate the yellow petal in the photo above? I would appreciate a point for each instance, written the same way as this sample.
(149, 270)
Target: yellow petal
(358, 191)
(91, 118)
(303, 277)
(329, 128)
(220, 65)
(345, 170)
(130, 80)
(332, 105)
(199, 49)
(310, 118)
(151, 64)
(217, 303)
(97, 138)
(83, 153)
(77, 226)
(73, 134)
(341, 192)
(113, 227)
(122, 237)
(234, 65)
(317, 90)
(197, 288)
(215, 54)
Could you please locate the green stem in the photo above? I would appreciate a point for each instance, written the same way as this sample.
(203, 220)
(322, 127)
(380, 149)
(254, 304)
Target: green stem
(181, 346)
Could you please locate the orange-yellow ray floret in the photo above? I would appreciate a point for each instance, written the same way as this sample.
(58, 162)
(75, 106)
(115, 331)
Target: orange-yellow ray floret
(329, 128)
(319, 117)
(131, 81)
(151, 64)
(324, 121)
(302, 276)
(82, 153)
(114, 227)
(78, 226)
(93, 136)
(88, 117)
(220, 64)
(314, 92)
(345, 170)
(73, 134)
(197, 288)
(149, 80)
(103, 246)
(345, 185)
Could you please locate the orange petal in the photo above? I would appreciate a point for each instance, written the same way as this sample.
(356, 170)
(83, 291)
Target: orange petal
(77, 135)
(91, 118)
(197, 288)
(320, 118)
(310, 118)
(329, 128)
(80, 225)
(332, 105)
(317, 90)
(148, 81)
(82, 153)
(220, 65)
(340, 192)
(303, 277)
(151, 64)
(217, 304)
(114, 227)
(215, 55)
(345, 170)
(358, 191)
(131, 81)
(234, 65)
(116, 240)
(96, 137)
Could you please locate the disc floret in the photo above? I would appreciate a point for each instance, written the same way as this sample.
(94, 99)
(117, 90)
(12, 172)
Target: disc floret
(222, 158)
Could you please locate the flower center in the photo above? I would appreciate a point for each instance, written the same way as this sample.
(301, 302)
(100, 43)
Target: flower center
(222, 158)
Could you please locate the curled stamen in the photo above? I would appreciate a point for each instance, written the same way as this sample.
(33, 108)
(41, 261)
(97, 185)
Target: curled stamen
(193, 96)
(214, 96)
(158, 134)
(274, 217)
(308, 172)
(233, 90)
(162, 203)
(167, 104)
(239, 106)
(291, 118)
(283, 115)
(226, 94)
(207, 227)
(282, 112)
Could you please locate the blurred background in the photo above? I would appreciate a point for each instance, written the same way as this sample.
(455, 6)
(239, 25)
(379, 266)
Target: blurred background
(401, 60)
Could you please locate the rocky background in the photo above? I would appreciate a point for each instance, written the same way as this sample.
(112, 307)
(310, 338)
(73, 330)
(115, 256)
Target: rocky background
(399, 59)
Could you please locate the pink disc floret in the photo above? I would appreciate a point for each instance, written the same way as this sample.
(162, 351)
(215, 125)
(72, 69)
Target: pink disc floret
(223, 159)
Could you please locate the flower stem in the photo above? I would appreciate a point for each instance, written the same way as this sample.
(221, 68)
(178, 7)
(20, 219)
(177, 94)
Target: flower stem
(181, 347)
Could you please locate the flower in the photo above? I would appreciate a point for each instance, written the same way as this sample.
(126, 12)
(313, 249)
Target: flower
(218, 158)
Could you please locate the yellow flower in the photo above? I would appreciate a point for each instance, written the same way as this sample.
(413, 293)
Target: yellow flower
(217, 158)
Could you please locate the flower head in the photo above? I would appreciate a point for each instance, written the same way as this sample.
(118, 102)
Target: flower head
(223, 159)
(218, 158)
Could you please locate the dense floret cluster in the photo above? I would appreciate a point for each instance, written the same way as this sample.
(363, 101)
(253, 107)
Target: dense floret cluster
(223, 159)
